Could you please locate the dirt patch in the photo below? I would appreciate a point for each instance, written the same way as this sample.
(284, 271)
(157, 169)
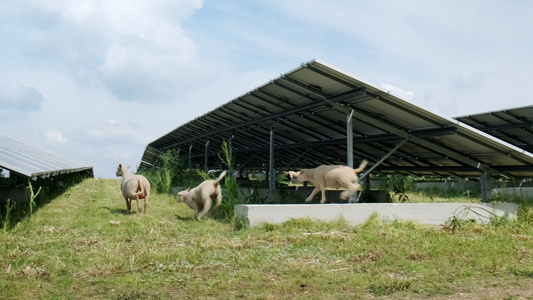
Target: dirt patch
(522, 289)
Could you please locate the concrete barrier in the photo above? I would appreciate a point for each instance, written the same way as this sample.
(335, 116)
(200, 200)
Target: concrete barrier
(356, 214)
(521, 192)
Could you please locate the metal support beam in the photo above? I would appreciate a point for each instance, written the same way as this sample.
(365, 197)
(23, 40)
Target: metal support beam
(283, 113)
(485, 185)
(367, 178)
(404, 134)
(243, 164)
(367, 183)
(271, 171)
(349, 139)
(298, 157)
(349, 148)
(206, 152)
(507, 126)
(382, 159)
(230, 153)
(420, 141)
(190, 157)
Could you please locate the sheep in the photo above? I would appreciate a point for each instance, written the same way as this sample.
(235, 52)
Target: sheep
(134, 187)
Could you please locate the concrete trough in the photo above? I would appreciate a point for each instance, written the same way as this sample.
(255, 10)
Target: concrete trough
(358, 213)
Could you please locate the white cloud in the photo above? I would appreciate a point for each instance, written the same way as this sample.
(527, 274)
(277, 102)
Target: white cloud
(22, 98)
(137, 50)
(121, 132)
(55, 139)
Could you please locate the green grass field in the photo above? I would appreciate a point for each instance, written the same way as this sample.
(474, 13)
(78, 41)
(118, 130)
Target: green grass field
(85, 245)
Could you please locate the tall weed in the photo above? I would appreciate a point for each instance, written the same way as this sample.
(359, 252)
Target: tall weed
(6, 215)
(168, 172)
(13, 213)
(232, 190)
(32, 196)
(400, 185)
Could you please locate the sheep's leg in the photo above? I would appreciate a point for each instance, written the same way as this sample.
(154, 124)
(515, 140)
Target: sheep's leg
(145, 203)
(313, 193)
(197, 212)
(350, 190)
(138, 206)
(205, 209)
(128, 204)
(323, 190)
(219, 200)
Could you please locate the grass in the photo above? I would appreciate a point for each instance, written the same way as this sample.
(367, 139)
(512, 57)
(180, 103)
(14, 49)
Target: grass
(84, 244)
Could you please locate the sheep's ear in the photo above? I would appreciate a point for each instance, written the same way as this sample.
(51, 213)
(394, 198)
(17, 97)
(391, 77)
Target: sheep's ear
(129, 166)
(188, 189)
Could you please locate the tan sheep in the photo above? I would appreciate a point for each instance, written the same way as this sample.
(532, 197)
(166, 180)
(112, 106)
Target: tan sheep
(201, 197)
(134, 187)
(333, 176)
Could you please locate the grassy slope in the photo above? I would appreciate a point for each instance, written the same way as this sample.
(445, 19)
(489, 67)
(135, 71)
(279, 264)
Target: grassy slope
(69, 250)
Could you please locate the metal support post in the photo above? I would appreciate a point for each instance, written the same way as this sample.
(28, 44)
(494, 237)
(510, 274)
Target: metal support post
(206, 147)
(230, 153)
(367, 183)
(485, 186)
(349, 149)
(382, 159)
(190, 157)
(349, 139)
(271, 171)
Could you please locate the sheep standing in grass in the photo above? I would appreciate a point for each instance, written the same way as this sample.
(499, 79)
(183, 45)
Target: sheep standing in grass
(134, 187)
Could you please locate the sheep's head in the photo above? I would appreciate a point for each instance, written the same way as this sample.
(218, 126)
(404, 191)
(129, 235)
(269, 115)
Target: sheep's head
(121, 170)
(290, 175)
(182, 195)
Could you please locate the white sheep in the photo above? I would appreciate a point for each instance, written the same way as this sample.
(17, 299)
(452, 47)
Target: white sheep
(134, 187)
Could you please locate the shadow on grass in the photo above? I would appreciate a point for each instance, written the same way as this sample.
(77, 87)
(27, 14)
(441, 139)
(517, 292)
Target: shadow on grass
(186, 219)
(191, 219)
(121, 211)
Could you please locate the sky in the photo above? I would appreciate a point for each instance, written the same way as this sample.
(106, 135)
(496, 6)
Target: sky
(98, 80)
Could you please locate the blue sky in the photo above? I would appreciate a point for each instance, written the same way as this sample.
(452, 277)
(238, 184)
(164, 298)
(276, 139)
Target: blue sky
(99, 80)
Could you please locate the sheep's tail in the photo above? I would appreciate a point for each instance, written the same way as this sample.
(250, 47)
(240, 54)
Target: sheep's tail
(361, 167)
(220, 177)
(140, 190)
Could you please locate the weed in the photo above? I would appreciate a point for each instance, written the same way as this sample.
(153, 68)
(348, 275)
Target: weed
(232, 189)
(5, 216)
(522, 271)
(12, 213)
(33, 195)
(255, 195)
(389, 284)
(168, 172)
(400, 185)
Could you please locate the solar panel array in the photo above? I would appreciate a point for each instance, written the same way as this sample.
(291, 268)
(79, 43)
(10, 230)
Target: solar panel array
(302, 115)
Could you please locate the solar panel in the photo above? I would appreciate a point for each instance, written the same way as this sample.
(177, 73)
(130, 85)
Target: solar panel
(514, 125)
(32, 160)
(305, 114)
